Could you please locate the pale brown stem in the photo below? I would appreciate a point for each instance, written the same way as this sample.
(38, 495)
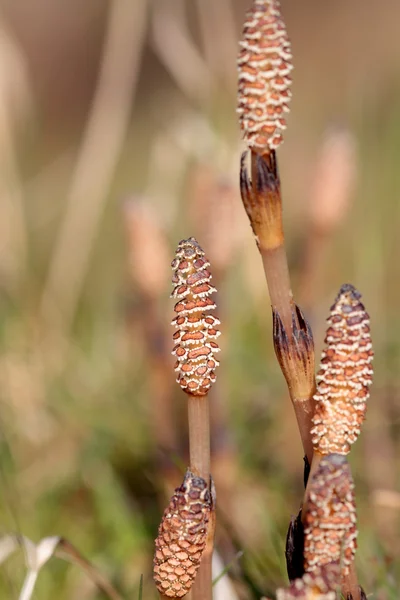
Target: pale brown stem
(274, 258)
(277, 274)
(304, 410)
(199, 449)
(350, 585)
(199, 435)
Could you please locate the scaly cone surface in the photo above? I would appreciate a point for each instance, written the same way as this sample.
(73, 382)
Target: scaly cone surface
(264, 65)
(182, 537)
(344, 377)
(196, 333)
(330, 524)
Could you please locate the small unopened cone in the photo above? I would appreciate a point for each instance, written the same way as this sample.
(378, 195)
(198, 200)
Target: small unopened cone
(344, 377)
(330, 529)
(182, 537)
(148, 251)
(196, 333)
(264, 65)
(334, 181)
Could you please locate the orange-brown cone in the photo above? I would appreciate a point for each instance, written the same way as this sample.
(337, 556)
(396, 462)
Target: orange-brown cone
(264, 65)
(196, 333)
(330, 525)
(182, 537)
(344, 377)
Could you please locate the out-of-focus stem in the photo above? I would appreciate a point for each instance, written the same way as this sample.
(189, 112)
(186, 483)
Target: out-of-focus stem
(199, 449)
(100, 150)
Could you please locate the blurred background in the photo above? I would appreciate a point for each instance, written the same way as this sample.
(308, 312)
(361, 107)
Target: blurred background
(118, 137)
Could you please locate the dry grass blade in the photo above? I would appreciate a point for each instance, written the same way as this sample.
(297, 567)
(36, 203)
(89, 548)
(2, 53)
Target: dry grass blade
(175, 48)
(37, 555)
(217, 28)
(15, 106)
(101, 146)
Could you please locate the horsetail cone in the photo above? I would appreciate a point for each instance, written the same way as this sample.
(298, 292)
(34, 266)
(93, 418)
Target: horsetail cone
(196, 333)
(319, 585)
(344, 377)
(182, 537)
(264, 65)
(330, 529)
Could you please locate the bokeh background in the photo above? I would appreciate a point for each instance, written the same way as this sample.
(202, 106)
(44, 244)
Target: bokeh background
(118, 137)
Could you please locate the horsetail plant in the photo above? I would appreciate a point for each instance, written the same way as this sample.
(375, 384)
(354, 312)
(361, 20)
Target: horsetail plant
(186, 534)
(344, 377)
(264, 65)
(342, 391)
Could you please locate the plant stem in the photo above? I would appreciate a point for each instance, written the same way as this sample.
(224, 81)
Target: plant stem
(199, 448)
(350, 585)
(293, 339)
(199, 435)
(304, 410)
(277, 274)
